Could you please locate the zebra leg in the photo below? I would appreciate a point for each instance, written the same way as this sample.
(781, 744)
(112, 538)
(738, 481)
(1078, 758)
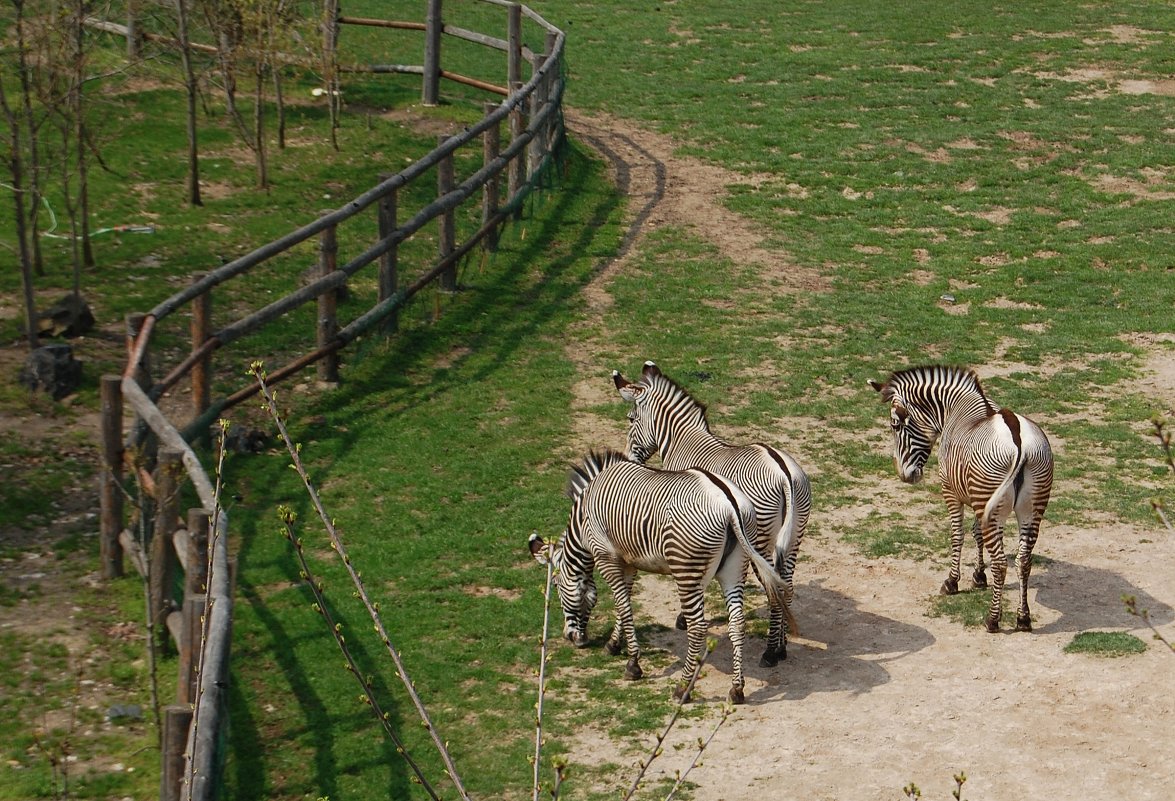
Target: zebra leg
(951, 585)
(1028, 535)
(620, 578)
(994, 537)
(979, 577)
(737, 629)
(692, 604)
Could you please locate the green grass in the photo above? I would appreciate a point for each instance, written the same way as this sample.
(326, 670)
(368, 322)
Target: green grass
(902, 152)
(1105, 643)
(968, 607)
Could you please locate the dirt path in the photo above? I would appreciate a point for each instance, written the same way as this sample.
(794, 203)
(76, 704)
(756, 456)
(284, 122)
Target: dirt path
(877, 694)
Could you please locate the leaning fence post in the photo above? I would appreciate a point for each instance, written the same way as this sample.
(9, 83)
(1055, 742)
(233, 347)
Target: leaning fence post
(202, 369)
(328, 324)
(491, 146)
(389, 259)
(430, 93)
(110, 478)
(163, 558)
(446, 235)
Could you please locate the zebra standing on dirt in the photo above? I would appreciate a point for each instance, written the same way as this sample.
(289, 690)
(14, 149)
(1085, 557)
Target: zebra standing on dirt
(990, 459)
(627, 517)
(665, 418)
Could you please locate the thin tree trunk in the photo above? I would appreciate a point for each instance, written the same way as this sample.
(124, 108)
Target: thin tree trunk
(33, 170)
(259, 123)
(181, 8)
(330, 65)
(16, 174)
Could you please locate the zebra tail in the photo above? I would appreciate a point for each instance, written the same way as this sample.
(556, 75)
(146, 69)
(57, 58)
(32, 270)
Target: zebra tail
(772, 584)
(1005, 487)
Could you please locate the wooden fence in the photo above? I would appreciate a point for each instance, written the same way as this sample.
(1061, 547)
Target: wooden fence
(200, 623)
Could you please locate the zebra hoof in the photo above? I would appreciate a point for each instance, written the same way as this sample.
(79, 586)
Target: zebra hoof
(680, 624)
(949, 587)
(1023, 622)
(772, 657)
(992, 624)
(736, 696)
(612, 647)
(979, 580)
(633, 671)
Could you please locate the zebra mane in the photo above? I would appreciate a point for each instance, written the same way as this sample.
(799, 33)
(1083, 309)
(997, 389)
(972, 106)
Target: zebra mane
(940, 375)
(592, 465)
(673, 391)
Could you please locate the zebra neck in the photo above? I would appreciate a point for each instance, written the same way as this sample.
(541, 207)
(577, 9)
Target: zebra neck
(686, 449)
(963, 412)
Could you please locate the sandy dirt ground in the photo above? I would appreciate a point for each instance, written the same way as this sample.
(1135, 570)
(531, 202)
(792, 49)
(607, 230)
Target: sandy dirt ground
(876, 694)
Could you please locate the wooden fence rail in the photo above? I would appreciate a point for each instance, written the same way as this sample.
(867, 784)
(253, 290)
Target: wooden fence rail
(199, 623)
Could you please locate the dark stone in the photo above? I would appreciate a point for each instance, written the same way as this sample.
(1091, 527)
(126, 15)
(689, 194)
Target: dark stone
(68, 317)
(52, 369)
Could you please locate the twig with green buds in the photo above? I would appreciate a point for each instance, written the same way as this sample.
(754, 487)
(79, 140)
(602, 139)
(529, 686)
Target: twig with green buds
(681, 701)
(256, 369)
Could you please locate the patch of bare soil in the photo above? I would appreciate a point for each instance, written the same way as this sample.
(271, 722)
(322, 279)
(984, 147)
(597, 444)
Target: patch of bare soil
(875, 693)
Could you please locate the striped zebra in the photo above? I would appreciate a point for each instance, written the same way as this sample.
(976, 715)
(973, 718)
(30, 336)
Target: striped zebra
(689, 524)
(665, 418)
(993, 460)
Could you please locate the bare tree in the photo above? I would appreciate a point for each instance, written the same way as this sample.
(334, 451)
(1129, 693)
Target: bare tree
(193, 90)
(18, 134)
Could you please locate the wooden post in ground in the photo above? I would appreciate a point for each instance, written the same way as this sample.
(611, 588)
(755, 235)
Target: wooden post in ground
(446, 234)
(163, 560)
(328, 323)
(430, 93)
(538, 98)
(177, 720)
(389, 260)
(491, 147)
(516, 176)
(513, 45)
(110, 479)
(201, 370)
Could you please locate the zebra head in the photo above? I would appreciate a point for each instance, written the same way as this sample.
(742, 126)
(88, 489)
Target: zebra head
(912, 439)
(575, 585)
(642, 436)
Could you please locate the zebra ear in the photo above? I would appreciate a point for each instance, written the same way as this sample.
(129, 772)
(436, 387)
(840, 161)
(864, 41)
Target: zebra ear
(620, 381)
(650, 368)
(631, 392)
(538, 549)
(876, 385)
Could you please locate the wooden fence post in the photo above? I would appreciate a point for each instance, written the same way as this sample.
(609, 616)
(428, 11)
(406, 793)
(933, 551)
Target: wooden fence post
(538, 98)
(389, 260)
(177, 720)
(446, 234)
(491, 147)
(430, 93)
(513, 45)
(163, 558)
(201, 370)
(328, 323)
(110, 478)
(517, 173)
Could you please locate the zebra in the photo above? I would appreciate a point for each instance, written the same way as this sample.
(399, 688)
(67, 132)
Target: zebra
(990, 459)
(689, 524)
(665, 418)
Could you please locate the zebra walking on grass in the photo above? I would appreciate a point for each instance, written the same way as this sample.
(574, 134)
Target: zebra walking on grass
(993, 460)
(690, 525)
(665, 418)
